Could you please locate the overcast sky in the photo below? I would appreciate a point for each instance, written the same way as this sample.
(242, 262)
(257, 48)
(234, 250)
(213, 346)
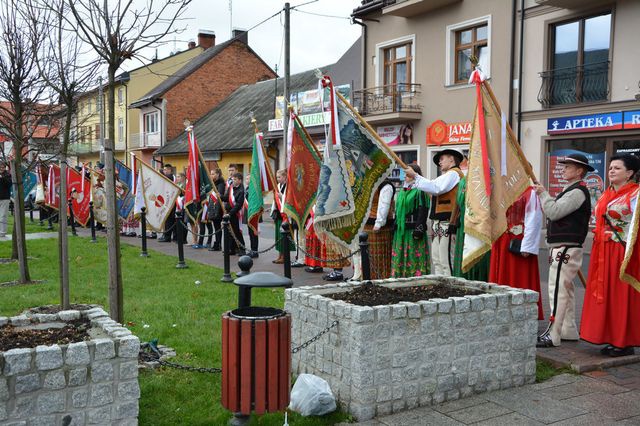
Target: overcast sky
(315, 40)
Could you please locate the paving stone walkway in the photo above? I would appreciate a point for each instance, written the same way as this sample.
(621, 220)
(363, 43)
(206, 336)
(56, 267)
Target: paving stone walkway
(599, 398)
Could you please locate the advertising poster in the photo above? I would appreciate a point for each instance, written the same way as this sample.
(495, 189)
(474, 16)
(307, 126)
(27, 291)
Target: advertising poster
(400, 134)
(595, 180)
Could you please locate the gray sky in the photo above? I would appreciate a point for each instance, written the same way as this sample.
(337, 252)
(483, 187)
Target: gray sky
(315, 40)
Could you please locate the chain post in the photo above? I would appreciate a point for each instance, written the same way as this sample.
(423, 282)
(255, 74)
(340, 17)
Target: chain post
(180, 236)
(226, 276)
(285, 233)
(72, 218)
(143, 229)
(365, 261)
(92, 223)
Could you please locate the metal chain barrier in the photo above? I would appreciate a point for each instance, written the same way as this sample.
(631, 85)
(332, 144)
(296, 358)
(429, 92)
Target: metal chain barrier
(197, 234)
(149, 353)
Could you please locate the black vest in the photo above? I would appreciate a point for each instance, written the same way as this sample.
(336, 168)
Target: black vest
(572, 228)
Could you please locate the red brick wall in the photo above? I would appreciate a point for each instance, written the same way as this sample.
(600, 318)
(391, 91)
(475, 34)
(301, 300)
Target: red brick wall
(205, 88)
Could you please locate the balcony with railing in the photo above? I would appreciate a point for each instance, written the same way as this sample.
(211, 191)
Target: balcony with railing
(574, 85)
(390, 103)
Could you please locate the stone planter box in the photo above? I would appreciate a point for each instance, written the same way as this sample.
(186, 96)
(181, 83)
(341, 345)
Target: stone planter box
(90, 382)
(384, 359)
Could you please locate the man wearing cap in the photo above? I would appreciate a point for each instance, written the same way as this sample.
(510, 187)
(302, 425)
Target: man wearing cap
(567, 226)
(443, 203)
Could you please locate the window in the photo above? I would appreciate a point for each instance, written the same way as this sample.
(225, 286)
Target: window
(579, 61)
(97, 127)
(397, 67)
(470, 42)
(120, 96)
(464, 39)
(88, 106)
(120, 129)
(151, 122)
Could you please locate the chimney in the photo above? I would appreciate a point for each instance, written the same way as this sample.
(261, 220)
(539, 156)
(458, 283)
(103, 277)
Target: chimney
(240, 35)
(191, 44)
(206, 39)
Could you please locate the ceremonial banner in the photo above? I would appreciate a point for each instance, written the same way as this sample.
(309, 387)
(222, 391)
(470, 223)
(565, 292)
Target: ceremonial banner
(259, 184)
(198, 185)
(630, 269)
(29, 180)
(303, 174)
(99, 197)
(52, 193)
(124, 196)
(159, 195)
(78, 189)
(355, 164)
(486, 206)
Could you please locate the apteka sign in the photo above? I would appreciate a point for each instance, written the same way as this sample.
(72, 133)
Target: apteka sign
(585, 123)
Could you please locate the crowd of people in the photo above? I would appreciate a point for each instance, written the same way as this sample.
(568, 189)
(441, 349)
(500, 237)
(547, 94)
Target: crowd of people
(416, 227)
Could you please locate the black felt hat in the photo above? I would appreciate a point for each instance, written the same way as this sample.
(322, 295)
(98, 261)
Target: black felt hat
(578, 159)
(456, 154)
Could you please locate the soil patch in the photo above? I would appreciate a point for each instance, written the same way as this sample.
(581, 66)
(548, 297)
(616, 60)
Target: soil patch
(54, 309)
(17, 283)
(12, 337)
(373, 295)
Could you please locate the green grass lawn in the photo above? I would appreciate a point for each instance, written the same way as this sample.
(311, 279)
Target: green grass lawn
(31, 227)
(159, 302)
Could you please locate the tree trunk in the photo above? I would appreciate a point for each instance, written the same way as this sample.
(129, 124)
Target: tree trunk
(63, 236)
(113, 236)
(18, 216)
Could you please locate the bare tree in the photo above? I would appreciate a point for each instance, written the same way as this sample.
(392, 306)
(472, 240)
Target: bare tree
(58, 57)
(117, 33)
(21, 114)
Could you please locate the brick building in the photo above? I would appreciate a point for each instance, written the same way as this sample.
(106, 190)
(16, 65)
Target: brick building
(198, 87)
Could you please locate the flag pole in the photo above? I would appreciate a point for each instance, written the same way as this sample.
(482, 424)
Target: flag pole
(264, 154)
(373, 132)
(516, 144)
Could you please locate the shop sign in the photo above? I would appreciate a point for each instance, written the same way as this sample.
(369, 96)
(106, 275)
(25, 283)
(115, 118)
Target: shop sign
(632, 119)
(309, 120)
(441, 133)
(585, 123)
(594, 180)
(400, 134)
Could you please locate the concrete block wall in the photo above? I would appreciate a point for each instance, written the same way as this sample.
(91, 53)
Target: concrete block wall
(384, 359)
(83, 383)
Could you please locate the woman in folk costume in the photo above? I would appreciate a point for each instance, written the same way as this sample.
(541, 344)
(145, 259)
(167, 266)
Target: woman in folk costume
(313, 247)
(479, 271)
(410, 249)
(514, 256)
(611, 310)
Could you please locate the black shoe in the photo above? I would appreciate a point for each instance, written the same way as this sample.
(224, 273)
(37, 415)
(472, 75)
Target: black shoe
(163, 240)
(131, 234)
(607, 350)
(253, 254)
(314, 269)
(215, 248)
(544, 341)
(297, 264)
(153, 236)
(334, 276)
(616, 352)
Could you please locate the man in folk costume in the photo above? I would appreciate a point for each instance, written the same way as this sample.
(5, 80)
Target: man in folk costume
(234, 198)
(379, 228)
(253, 237)
(443, 190)
(514, 256)
(568, 218)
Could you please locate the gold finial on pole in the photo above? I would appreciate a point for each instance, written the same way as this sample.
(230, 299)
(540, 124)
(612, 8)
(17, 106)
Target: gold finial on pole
(187, 125)
(254, 122)
(474, 60)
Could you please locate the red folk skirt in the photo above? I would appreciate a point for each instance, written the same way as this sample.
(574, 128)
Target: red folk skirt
(313, 246)
(611, 310)
(514, 270)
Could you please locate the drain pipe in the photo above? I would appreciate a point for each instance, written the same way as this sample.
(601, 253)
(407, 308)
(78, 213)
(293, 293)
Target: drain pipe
(363, 72)
(520, 59)
(514, 5)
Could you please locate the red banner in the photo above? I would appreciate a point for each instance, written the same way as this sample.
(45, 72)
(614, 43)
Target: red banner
(79, 190)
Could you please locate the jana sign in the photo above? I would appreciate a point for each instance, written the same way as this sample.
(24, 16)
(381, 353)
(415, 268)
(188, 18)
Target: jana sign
(585, 123)
(441, 133)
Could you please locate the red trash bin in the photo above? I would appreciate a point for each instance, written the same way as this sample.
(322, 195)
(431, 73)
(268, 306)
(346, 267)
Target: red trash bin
(256, 360)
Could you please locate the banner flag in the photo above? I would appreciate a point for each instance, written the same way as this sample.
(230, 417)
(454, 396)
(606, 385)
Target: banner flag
(630, 269)
(259, 184)
(52, 194)
(124, 196)
(198, 185)
(79, 192)
(138, 203)
(99, 197)
(490, 189)
(159, 194)
(29, 179)
(303, 174)
(355, 163)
